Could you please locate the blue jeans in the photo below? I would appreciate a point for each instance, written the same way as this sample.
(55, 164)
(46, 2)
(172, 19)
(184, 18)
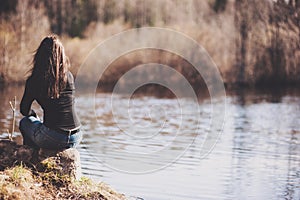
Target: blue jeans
(37, 135)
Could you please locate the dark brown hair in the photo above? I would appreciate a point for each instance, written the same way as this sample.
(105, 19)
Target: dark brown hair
(50, 67)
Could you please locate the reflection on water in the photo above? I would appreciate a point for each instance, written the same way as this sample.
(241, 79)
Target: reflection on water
(256, 157)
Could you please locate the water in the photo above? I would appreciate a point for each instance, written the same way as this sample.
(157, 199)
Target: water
(257, 155)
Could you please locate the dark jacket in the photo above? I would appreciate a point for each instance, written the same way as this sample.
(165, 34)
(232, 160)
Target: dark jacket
(59, 114)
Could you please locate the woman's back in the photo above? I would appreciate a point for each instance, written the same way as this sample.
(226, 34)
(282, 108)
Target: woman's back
(59, 114)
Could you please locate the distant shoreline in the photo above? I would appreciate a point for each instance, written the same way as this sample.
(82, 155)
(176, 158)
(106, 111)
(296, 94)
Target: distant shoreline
(202, 93)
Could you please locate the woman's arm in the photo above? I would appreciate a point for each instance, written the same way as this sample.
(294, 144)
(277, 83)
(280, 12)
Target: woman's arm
(27, 100)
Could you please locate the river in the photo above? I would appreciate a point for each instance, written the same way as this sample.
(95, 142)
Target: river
(256, 156)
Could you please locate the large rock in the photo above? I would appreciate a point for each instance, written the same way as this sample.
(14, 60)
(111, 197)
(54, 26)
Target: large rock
(65, 162)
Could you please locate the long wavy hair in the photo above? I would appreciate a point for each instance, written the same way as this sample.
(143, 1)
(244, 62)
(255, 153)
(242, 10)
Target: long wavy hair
(50, 67)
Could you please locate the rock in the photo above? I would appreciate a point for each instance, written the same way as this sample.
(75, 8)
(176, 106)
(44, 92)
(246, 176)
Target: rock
(65, 162)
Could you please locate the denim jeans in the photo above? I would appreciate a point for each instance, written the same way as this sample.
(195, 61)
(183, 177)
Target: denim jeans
(37, 135)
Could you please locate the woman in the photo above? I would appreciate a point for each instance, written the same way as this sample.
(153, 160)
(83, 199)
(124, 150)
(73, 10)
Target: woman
(51, 84)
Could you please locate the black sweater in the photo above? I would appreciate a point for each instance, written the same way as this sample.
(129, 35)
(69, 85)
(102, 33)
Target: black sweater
(59, 114)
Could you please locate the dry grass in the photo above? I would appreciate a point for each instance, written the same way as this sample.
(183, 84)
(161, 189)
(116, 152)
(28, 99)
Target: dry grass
(19, 182)
(218, 33)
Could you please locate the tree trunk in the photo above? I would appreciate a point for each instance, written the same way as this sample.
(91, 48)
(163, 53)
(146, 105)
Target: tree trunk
(242, 25)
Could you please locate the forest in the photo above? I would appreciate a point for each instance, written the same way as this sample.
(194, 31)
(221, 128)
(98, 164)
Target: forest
(254, 43)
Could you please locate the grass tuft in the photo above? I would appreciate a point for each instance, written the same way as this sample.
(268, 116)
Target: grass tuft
(20, 182)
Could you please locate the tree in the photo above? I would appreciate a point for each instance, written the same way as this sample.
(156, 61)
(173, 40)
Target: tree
(71, 17)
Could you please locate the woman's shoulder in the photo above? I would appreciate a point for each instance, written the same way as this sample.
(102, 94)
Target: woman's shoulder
(33, 86)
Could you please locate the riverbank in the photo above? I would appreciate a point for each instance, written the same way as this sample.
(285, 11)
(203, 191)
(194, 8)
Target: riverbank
(9, 90)
(20, 182)
(26, 174)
